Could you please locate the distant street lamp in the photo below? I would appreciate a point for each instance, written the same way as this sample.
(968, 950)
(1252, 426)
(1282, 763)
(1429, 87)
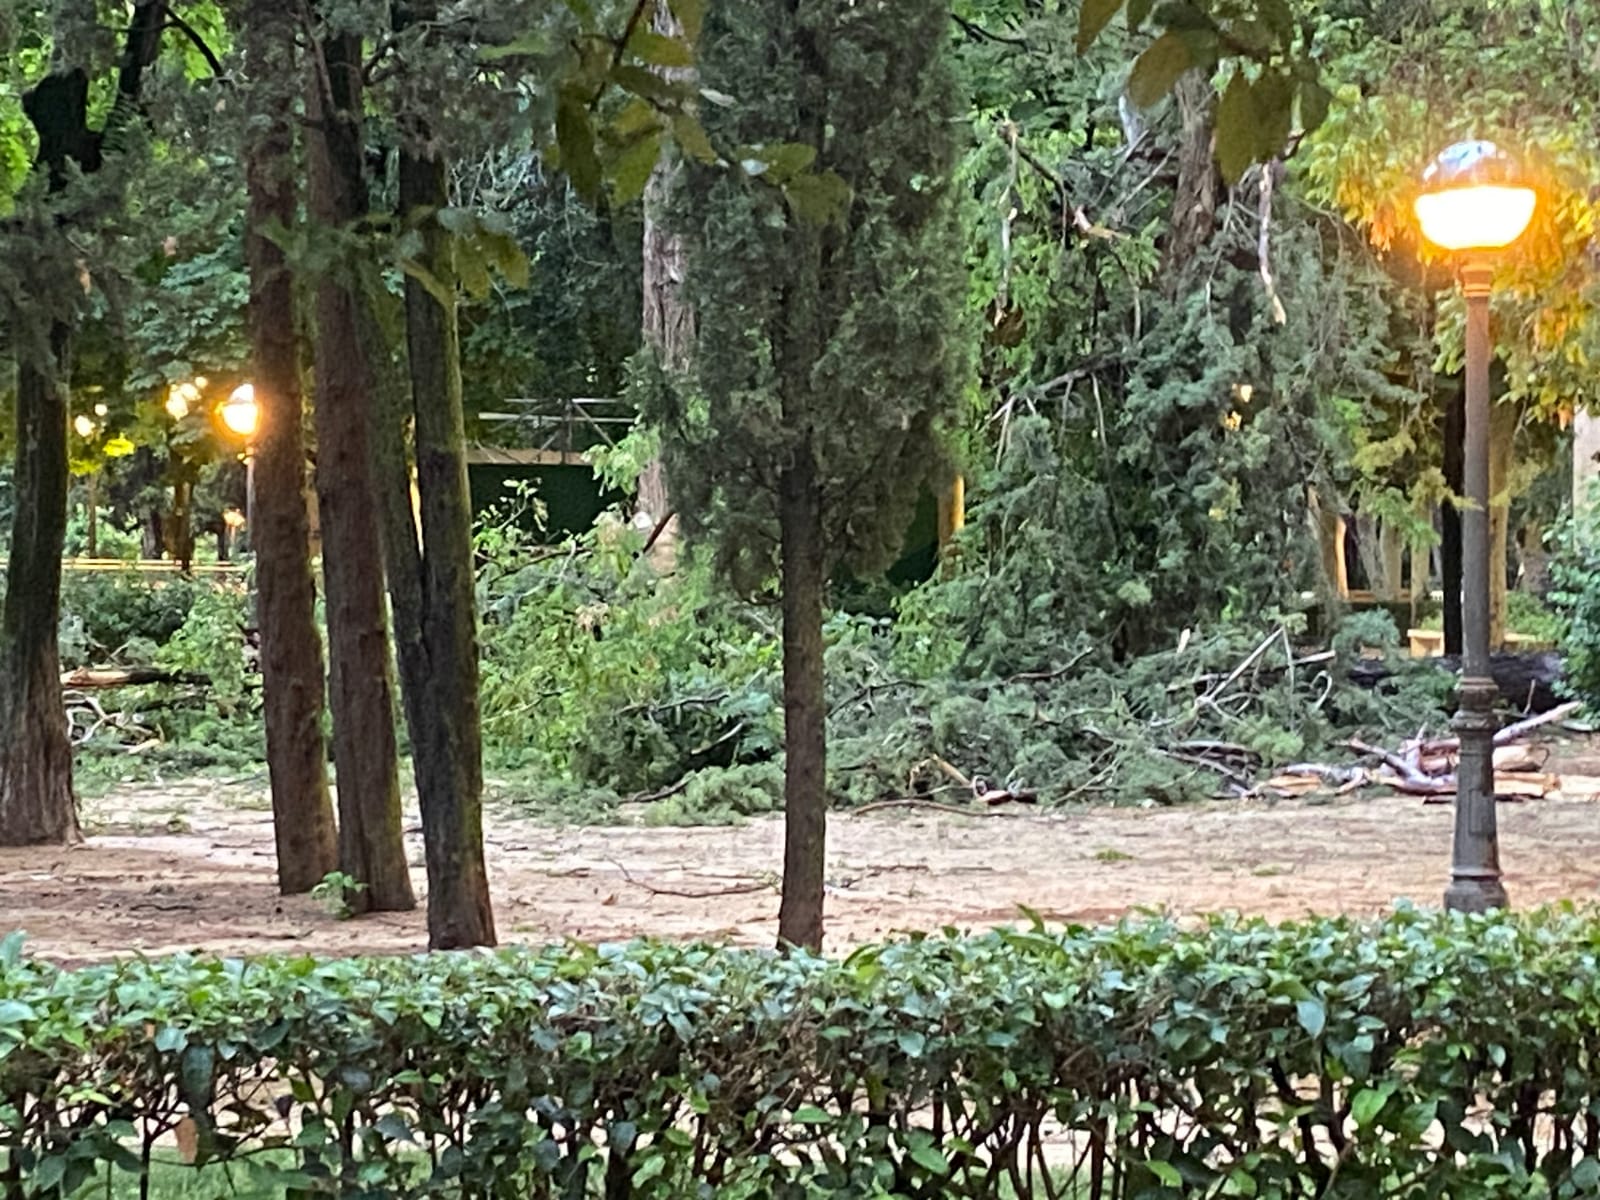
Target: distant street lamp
(183, 397)
(241, 415)
(240, 412)
(1474, 202)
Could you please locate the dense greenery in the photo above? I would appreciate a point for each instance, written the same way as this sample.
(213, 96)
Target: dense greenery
(1422, 1056)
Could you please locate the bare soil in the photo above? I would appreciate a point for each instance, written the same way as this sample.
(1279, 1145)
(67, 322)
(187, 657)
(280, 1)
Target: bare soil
(189, 866)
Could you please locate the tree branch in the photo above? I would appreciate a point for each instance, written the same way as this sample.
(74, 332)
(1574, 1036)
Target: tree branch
(979, 33)
(174, 21)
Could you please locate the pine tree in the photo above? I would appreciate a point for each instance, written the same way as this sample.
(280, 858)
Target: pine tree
(827, 280)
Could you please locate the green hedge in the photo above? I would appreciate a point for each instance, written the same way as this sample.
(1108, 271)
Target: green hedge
(1424, 1056)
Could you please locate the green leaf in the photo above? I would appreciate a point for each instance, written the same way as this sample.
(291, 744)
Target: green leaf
(785, 160)
(931, 1159)
(912, 1042)
(810, 1114)
(1092, 18)
(1314, 103)
(575, 140)
(1313, 1016)
(631, 170)
(11, 948)
(1367, 1104)
(659, 50)
(15, 1012)
(652, 1167)
(170, 1039)
(1165, 1173)
(1158, 69)
(691, 15)
(691, 138)
(1139, 12)
(1239, 126)
(818, 199)
(48, 1174)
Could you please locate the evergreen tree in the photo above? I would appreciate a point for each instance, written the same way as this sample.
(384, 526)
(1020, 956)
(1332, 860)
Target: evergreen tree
(828, 288)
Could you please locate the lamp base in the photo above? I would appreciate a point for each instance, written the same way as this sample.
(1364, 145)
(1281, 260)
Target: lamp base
(1475, 895)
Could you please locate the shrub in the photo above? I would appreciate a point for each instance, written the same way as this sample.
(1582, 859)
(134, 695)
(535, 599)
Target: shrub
(1421, 1056)
(1575, 574)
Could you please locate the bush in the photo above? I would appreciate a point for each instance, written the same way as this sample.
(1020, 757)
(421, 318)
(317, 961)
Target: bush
(1575, 574)
(122, 615)
(1422, 1056)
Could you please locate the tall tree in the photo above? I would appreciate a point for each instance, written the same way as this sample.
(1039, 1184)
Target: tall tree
(291, 647)
(36, 799)
(366, 757)
(431, 587)
(829, 348)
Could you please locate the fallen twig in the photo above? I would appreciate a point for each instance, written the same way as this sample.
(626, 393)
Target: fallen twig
(933, 805)
(742, 889)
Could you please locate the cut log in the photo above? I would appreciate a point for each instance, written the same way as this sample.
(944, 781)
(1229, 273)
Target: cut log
(86, 678)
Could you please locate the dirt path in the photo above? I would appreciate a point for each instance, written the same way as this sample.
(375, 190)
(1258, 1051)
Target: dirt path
(190, 866)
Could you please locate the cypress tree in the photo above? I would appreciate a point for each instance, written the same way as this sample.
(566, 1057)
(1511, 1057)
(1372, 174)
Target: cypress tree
(826, 274)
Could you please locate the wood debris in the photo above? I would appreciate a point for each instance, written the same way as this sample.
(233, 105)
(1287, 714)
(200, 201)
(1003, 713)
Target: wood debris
(1427, 767)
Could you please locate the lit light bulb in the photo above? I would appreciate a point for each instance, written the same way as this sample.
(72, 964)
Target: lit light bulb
(83, 425)
(241, 413)
(100, 410)
(233, 518)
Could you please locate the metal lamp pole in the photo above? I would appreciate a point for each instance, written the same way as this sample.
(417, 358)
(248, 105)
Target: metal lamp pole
(1474, 199)
(1475, 856)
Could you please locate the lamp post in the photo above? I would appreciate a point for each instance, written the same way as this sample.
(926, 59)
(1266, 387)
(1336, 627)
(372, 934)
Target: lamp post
(240, 414)
(1474, 202)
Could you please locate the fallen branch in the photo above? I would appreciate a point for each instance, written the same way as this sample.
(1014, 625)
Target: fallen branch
(932, 805)
(111, 677)
(1511, 732)
(742, 889)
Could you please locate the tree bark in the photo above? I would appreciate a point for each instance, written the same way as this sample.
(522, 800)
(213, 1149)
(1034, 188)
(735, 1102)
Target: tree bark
(1194, 200)
(365, 754)
(36, 800)
(439, 659)
(1450, 517)
(800, 915)
(667, 315)
(1535, 560)
(291, 649)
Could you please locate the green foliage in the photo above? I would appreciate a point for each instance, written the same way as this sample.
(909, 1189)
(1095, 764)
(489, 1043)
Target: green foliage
(123, 616)
(830, 341)
(721, 796)
(1575, 576)
(1446, 1055)
(597, 671)
(334, 893)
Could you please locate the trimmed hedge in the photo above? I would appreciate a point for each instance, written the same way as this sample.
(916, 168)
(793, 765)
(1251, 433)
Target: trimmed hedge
(1422, 1056)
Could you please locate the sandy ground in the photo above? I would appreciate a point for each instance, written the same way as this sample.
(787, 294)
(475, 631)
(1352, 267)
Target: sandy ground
(190, 866)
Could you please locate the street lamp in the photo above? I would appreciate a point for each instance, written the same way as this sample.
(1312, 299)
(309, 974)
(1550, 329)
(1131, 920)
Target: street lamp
(1474, 201)
(240, 415)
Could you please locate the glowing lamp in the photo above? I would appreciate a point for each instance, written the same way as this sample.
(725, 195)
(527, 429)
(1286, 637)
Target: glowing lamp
(1474, 198)
(233, 518)
(83, 425)
(240, 413)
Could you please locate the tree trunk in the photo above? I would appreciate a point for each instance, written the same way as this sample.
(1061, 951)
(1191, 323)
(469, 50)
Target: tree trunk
(800, 914)
(1535, 560)
(291, 649)
(1194, 200)
(371, 835)
(36, 800)
(1450, 517)
(1392, 559)
(668, 317)
(1503, 420)
(439, 660)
